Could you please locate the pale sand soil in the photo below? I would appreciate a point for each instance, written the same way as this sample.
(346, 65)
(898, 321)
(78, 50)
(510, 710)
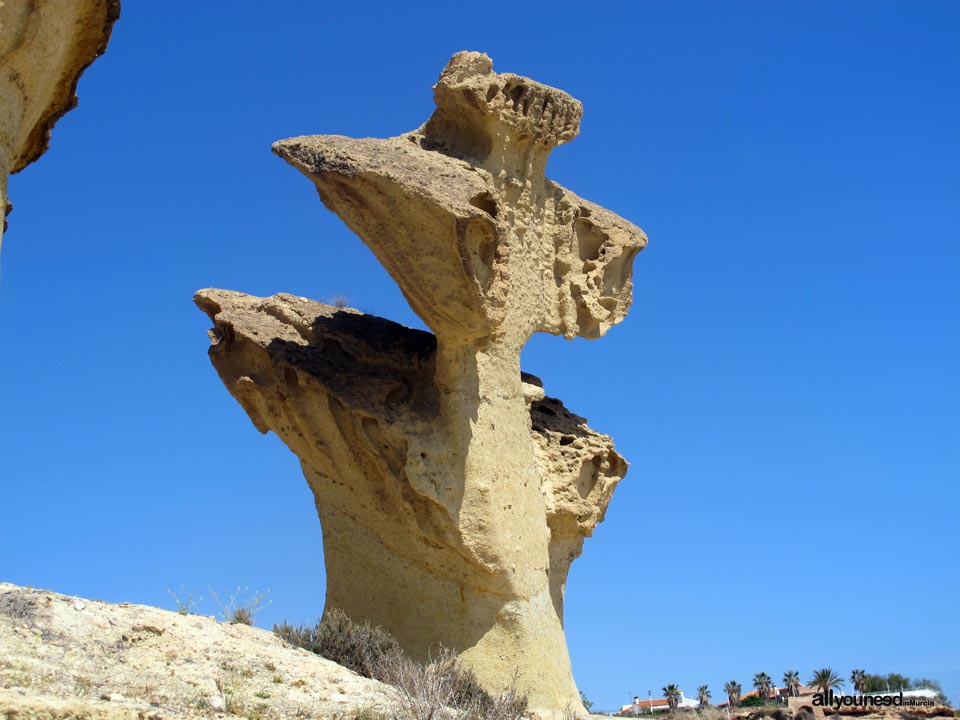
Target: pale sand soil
(67, 657)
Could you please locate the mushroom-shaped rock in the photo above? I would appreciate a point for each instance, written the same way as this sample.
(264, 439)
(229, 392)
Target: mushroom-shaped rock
(453, 494)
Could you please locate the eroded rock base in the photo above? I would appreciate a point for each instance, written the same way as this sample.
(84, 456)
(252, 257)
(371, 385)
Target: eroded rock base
(355, 397)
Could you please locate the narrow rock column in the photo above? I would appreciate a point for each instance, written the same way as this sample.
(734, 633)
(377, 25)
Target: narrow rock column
(503, 523)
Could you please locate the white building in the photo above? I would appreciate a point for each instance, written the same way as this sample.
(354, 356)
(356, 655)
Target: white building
(648, 707)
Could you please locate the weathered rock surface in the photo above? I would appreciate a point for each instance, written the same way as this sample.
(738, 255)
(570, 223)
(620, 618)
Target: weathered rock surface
(354, 397)
(44, 47)
(484, 247)
(66, 657)
(453, 496)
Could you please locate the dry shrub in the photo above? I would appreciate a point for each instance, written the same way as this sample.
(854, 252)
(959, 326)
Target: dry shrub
(441, 689)
(712, 713)
(433, 690)
(18, 604)
(362, 647)
(239, 608)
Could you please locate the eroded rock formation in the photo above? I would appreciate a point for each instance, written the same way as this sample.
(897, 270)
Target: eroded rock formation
(44, 47)
(453, 495)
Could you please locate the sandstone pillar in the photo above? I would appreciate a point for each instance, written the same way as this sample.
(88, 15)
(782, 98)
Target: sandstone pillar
(452, 493)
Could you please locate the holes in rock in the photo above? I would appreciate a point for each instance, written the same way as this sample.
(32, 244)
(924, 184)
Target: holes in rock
(482, 245)
(471, 99)
(560, 270)
(616, 273)
(485, 201)
(515, 93)
(567, 439)
(492, 92)
(544, 104)
(589, 474)
(589, 239)
(397, 396)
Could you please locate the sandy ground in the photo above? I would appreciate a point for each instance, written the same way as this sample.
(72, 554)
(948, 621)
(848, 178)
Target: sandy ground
(68, 657)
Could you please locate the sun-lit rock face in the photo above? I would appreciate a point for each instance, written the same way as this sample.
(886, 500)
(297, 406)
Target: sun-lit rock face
(502, 252)
(44, 47)
(453, 495)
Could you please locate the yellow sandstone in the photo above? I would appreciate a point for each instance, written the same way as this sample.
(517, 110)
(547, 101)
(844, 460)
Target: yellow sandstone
(453, 495)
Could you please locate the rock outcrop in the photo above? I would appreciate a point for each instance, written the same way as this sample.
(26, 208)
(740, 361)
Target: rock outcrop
(44, 48)
(453, 495)
(66, 658)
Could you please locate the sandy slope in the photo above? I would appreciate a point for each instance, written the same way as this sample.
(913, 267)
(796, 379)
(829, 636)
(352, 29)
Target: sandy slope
(66, 657)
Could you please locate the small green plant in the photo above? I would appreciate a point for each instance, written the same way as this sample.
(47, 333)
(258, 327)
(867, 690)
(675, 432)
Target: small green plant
(261, 694)
(367, 712)
(240, 608)
(82, 685)
(228, 694)
(185, 601)
(586, 703)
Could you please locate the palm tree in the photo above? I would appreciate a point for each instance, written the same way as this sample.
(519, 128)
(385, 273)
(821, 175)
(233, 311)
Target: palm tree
(825, 679)
(672, 694)
(859, 680)
(703, 695)
(732, 689)
(791, 678)
(761, 681)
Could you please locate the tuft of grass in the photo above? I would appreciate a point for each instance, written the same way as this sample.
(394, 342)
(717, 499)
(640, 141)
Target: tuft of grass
(240, 608)
(367, 712)
(82, 686)
(228, 692)
(185, 601)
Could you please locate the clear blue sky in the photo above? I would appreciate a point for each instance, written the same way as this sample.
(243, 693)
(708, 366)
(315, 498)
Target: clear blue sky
(785, 388)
